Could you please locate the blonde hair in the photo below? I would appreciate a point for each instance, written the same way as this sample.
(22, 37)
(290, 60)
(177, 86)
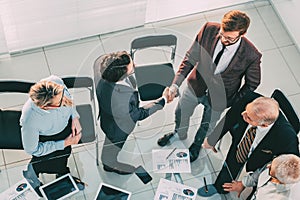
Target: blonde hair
(43, 92)
(287, 168)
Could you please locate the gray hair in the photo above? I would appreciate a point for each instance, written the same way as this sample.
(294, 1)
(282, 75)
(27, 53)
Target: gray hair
(267, 109)
(287, 168)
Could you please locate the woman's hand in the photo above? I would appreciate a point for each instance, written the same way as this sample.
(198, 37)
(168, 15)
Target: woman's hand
(76, 127)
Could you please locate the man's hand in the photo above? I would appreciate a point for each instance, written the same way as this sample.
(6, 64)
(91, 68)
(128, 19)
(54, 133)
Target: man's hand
(166, 94)
(235, 186)
(70, 140)
(172, 93)
(76, 127)
(205, 145)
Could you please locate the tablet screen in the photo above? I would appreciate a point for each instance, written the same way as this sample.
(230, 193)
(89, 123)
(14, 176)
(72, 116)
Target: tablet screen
(108, 192)
(60, 188)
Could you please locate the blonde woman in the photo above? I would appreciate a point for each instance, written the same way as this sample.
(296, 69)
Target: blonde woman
(50, 125)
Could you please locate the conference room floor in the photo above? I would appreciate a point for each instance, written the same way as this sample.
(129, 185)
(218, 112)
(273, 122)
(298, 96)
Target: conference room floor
(279, 70)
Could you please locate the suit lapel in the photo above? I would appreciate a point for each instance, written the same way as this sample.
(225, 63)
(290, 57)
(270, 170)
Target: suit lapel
(214, 44)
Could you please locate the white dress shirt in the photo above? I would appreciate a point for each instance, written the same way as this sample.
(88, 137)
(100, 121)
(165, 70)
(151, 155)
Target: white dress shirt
(261, 132)
(227, 55)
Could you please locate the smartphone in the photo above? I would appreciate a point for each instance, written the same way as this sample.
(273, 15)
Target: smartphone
(143, 174)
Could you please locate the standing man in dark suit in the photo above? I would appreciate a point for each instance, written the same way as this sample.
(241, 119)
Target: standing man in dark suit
(119, 107)
(218, 60)
(273, 136)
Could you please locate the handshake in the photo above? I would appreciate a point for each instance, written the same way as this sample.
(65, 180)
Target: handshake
(170, 93)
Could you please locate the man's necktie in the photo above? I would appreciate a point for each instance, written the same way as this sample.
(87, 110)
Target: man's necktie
(219, 55)
(245, 145)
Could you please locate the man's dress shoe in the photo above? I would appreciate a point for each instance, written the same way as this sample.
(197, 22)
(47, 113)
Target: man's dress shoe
(194, 152)
(163, 141)
(115, 170)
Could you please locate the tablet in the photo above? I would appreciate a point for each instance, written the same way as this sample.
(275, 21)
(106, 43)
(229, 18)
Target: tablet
(60, 188)
(109, 192)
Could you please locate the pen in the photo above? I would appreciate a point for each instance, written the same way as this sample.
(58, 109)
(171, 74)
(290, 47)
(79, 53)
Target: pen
(205, 185)
(171, 153)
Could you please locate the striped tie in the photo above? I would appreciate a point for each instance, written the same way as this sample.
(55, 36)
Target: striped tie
(245, 145)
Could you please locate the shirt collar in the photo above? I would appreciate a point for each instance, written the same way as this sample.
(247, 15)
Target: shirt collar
(260, 128)
(231, 47)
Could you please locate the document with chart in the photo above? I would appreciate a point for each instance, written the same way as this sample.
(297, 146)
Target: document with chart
(171, 161)
(169, 190)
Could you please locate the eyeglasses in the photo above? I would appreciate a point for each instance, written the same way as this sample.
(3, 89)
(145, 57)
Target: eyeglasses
(60, 102)
(229, 39)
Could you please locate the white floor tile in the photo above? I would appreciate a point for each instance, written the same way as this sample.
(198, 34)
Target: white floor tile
(121, 41)
(143, 195)
(2, 163)
(295, 103)
(257, 33)
(4, 179)
(276, 74)
(292, 57)
(272, 22)
(77, 59)
(26, 67)
(12, 156)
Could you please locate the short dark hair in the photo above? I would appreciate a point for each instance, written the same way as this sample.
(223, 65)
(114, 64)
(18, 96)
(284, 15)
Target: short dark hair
(235, 20)
(113, 66)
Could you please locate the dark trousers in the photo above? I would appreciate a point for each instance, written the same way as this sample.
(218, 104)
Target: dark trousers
(230, 170)
(111, 150)
(55, 162)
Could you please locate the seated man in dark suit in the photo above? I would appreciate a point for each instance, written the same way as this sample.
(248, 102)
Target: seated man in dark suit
(259, 132)
(119, 107)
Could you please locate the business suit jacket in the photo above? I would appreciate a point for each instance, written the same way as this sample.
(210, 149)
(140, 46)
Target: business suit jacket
(119, 109)
(281, 138)
(225, 86)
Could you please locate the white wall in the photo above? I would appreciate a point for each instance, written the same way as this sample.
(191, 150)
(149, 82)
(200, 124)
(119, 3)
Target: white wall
(30, 23)
(166, 9)
(288, 11)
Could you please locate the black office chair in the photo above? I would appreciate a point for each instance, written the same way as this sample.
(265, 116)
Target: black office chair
(86, 111)
(153, 78)
(287, 109)
(10, 130)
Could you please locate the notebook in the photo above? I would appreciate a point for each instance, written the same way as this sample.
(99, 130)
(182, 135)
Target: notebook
(60, 188)
(109, 192)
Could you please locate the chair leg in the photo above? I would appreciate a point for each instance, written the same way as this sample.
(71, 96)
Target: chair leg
(97, 152)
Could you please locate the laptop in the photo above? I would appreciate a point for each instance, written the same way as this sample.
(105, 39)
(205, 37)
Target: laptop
(60, 188)
(109, 192)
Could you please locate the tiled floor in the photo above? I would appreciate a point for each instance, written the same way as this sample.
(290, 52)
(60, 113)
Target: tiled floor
(279, 70)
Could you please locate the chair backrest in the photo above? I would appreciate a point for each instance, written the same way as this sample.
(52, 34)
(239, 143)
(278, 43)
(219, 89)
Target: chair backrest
(287, 109)
(15, 86)
(87, 110)
(152, 80)
(10, 130)
(154, 41)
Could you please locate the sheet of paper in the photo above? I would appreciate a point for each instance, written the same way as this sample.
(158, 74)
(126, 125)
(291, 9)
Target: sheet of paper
(20, 191)
(171, 161)
(169, 190)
